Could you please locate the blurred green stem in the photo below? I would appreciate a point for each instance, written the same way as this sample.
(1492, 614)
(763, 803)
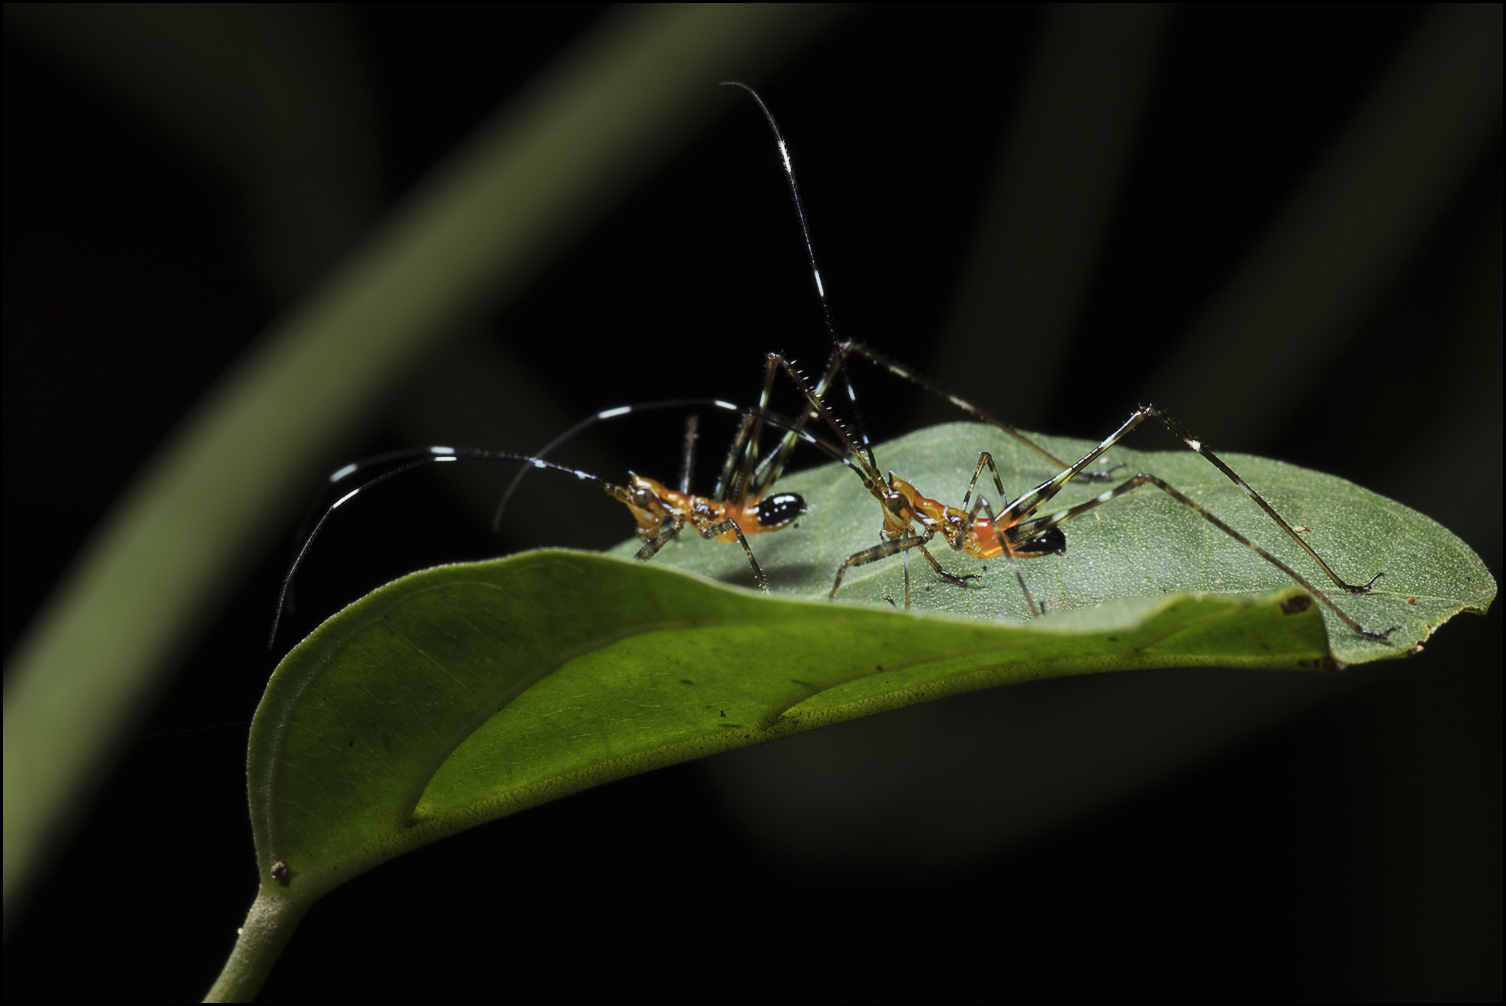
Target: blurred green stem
(613, 106)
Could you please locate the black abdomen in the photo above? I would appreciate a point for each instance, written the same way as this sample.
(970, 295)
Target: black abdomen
(778, 510)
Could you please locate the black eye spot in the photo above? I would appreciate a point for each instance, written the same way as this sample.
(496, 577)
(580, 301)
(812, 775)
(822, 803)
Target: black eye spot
(778, 510)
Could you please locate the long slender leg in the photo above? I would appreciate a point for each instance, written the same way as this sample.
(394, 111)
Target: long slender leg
(755, 477)
(773, 466)
(873, 481)
(742, 489)
(906, 557)
(880, 551)
(1014, 565)
(731, 525)
(857, 413)
(858, 461)
(984, 458)
(772, 471)
(863, 464)
(972, 515)
(899, 370)
(1197, 445)
(727, 485)
(669, 529)
(957, 579)
(901, 545)
(687, 458)
(1034, 527)
(1031, 501)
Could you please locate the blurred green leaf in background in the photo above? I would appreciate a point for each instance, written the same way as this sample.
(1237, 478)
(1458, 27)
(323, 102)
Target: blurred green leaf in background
(553, 156)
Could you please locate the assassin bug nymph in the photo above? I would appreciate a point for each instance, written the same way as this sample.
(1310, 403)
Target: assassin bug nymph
(1014, 532)
(742, 504)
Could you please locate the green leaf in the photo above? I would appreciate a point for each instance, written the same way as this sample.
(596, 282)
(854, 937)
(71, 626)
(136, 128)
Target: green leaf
(1144, 544)
(464, 693)
(554, 157)
(458, 694)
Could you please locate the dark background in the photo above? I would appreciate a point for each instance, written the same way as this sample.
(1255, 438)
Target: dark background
(1351, 852)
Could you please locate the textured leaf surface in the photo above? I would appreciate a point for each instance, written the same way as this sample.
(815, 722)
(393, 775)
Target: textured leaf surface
(1144, 544)
(463, 693)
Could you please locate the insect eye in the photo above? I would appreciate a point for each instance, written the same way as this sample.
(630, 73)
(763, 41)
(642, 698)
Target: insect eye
(643, 499)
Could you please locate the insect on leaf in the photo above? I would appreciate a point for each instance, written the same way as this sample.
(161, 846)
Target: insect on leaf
(1144, 544)
(464, 693)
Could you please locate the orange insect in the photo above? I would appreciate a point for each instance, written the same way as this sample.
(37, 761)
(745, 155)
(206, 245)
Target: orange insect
(742, 504)
(1015, 532)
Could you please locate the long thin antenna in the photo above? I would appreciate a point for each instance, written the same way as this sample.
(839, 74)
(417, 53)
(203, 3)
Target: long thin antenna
(621, 410)
(420, 456)
(810, 251)
(789, 174)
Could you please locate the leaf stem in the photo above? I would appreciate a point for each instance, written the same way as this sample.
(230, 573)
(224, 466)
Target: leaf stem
(269, 925)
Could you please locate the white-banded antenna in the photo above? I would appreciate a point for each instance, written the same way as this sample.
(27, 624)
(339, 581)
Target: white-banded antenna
(410, 458)
(789, 174)
(810, 251)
